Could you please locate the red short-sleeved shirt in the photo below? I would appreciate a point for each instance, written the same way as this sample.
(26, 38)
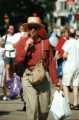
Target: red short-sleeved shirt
(59, 45)
(20, 52)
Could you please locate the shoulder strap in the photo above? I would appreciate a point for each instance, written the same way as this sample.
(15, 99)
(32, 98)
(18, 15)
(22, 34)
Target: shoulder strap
(42, 47)
(5, 38)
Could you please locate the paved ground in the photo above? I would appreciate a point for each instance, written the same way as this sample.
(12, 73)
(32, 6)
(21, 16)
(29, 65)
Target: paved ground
(10, 110)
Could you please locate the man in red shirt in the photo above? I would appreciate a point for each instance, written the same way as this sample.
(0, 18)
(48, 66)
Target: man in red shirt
(60, 52)
(61, 41)
(33, 49)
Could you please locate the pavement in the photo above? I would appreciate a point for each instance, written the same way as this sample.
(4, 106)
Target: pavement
(11, 110)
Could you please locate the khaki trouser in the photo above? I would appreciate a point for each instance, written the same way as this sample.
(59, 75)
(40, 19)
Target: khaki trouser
(50, 116)
(36, 98)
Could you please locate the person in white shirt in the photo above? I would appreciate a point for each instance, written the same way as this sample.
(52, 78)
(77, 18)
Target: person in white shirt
(53, 39)
(21, 32)
(2, 69)
(71, 69)
(9, 52)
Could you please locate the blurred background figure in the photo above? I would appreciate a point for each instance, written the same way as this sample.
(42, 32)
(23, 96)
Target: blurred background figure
(22, 29)
(6, 22)
(9, 51)
(70, 68)
(2, 68)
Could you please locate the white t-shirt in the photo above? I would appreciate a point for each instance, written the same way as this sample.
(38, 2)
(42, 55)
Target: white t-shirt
(10, 50)
(53, 39)
(2, 53)
(9, 42)
(2, 66)
(72, 62)
(77, 42)
(16, 37)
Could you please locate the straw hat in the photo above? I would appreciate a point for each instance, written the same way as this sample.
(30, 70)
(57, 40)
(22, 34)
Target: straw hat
(34, 21)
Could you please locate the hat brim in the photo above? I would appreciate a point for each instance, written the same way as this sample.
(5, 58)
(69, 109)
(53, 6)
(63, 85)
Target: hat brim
(27, 25)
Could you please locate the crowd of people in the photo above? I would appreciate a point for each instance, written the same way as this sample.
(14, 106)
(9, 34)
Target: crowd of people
(21, 52)
(68, 49)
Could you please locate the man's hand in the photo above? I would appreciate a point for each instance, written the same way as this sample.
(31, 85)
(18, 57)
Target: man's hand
(58, 86)
(57, 55)
(29, 43)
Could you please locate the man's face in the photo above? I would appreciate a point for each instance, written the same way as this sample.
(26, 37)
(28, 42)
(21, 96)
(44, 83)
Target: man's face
(33, 30)
(66, 34)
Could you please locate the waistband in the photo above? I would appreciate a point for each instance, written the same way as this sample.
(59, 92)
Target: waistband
(31, 67)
